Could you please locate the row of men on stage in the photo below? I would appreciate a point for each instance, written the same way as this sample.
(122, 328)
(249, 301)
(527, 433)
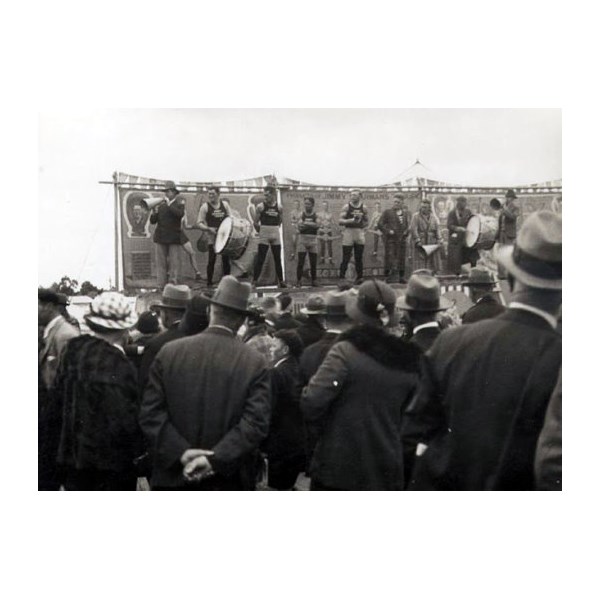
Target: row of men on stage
(360, 390)
(395, 224)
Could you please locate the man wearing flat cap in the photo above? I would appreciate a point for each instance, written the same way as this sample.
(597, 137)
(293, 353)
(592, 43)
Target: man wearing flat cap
(168, 235)
(206, 407)
(486, 386)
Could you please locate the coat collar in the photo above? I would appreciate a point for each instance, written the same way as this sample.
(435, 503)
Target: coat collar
(525, 317)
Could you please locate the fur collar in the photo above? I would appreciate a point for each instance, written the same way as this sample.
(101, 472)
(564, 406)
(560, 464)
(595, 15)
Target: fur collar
(389, 350)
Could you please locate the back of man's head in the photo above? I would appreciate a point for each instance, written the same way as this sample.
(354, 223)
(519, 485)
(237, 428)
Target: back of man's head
(546, 300)
(225, 317)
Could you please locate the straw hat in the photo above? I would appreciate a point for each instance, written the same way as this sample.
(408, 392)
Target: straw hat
(536, 257)
(111, 311)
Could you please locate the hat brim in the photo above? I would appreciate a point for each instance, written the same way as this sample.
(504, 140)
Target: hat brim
(445, 304)
(228, 306)
(307, 311)
(127, 323)
(156, 307)
(358, 316)
(505, 258)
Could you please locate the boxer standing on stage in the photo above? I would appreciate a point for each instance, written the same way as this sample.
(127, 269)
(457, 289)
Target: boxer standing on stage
(210, 217)
(354, 219)
(308, 227)
(168, 235)
(267, 222)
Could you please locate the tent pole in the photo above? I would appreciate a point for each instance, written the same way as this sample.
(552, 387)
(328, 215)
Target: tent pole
(116, 190)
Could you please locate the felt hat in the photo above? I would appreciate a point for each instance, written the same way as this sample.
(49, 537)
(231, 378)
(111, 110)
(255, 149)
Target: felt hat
(480, 276)
(510, 194)
(175, 297)
(335, 304)
(170, 185)
(423, 294)
(315, 305)
(373, 300)
(536, 257)
(111, 310)
(231, 294)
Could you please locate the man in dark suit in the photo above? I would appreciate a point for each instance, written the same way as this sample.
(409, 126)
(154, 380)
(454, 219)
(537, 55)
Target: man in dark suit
(485, 387)
(206, 408)
(312, 329)
(486, 306)
(507, 224)
(285, 320)
(394, 224)
(422, 302)
(168, 234)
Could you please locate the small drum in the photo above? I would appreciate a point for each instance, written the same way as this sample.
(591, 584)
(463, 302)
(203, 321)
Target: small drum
(481, 232)
(232, 237)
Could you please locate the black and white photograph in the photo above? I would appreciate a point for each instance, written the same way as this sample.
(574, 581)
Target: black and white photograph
(268, 318)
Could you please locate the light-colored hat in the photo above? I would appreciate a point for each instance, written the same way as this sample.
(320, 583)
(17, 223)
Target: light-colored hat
(175, 297)
(111, 311)
(536, 257)
(373, 299)
(423, 294)
(232, 294)
(480, 276)
(315, 305)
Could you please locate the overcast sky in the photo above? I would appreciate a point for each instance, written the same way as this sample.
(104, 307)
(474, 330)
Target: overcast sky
(325, 146)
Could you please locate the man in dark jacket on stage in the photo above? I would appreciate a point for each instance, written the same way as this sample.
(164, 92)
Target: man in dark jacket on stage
(206, 408)
(394, 224)
(167, 217)
(486, 386)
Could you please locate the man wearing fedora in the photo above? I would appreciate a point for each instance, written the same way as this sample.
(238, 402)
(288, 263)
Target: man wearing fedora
(394, 225)
(94, 426)
(481, 283)
(206, 407)
(422, 303)
(486, 386)
(311, 329)
(357, 396)
(168, 235)
(173, 303)
(507, 225)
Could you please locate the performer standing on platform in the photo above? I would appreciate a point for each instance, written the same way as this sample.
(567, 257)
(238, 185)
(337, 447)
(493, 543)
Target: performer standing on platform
(507, 226)
(425, 230)
(210, 217)
(326, 234)
(373, 228)
(354, 218)
(295, 217)
(308, 227)
(394, 224)
(267, 222)
(458, 253)
(168, 235)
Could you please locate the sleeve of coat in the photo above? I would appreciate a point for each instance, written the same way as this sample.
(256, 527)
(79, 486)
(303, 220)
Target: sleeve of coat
(177, 207)
(251, 429)
(414, 229)
(548, 456)
(166, 443)
(325, 386)
(511, 212)
(452, 222)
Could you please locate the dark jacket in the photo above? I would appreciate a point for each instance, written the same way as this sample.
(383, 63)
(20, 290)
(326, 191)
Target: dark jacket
(487, 307)
(286, 321)
(286, 431)
(424, 338)
(96, 401)
(481, 403)
(548, 456)
(168, 221)
(310, 332)
(389, 222)
(207, 391)
(507, 224)
(174, 332)
(357, 399)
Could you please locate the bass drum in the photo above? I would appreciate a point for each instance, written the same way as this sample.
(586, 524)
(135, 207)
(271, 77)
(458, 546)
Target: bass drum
(481, 232)
(232, 237)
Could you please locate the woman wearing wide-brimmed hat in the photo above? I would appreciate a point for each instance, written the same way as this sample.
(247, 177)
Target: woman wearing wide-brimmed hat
(357, 397)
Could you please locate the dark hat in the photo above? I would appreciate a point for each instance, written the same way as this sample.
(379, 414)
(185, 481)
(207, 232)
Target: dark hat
(195, 319)
(510, 194)
(480, 276)
(335, 304)
(423, 294)
(198, 305)
(315, 305)
(175, 297)
(110, 310)
(374, 298)
(232, 294)
(536, 258)
(292, 340)
(46, 295)
(170, 185)
(285, 300)
(148, 323)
